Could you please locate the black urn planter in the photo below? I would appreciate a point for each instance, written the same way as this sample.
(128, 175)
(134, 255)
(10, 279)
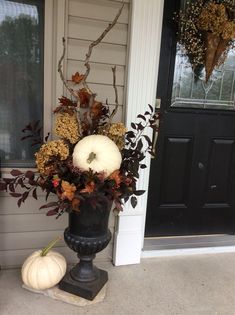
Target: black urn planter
(87, 234)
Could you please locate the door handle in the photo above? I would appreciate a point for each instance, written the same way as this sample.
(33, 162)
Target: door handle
(155, 134)
(201, 166)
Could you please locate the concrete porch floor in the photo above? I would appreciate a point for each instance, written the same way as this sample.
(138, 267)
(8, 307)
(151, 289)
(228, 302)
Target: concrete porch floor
(196, 284)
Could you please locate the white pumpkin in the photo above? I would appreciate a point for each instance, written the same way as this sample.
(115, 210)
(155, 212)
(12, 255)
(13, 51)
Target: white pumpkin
(43, 269)
(97, 152)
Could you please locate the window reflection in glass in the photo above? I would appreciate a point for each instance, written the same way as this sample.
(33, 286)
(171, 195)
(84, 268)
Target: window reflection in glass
(21, 77)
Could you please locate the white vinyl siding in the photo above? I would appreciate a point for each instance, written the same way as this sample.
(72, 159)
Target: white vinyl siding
(25, 229)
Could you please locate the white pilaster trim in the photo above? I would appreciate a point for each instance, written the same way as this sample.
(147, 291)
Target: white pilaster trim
(61, 31)
(54, 30)
(144, 52)
(48, 62)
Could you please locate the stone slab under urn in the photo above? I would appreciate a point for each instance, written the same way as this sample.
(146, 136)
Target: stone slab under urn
(57, 294)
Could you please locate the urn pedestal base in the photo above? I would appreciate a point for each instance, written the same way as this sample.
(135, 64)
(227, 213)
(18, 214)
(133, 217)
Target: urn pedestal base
(86, 290)
(85, 279)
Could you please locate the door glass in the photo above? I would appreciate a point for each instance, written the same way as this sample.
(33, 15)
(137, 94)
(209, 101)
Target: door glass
(190, 91)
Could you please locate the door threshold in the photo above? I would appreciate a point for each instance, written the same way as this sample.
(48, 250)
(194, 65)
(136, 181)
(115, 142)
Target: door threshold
(187, 251)
(188, 245)
(188, 242)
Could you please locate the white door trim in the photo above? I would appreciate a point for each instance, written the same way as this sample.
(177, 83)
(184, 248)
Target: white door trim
(144, 52)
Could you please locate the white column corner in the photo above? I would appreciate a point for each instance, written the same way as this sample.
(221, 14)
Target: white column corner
(144, 52)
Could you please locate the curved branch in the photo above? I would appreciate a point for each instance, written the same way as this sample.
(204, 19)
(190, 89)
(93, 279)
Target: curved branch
(71, 91)
(98, 40)
(116, 95)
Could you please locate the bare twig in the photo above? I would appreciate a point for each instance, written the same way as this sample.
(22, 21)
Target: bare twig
(98, 40)
(116, 95)
(71, 91)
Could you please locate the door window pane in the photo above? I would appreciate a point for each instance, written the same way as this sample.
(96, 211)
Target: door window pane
(217, 93)
(21, 77)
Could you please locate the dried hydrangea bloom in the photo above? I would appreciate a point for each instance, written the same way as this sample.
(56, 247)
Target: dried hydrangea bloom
(57, 149)
(213, 18)
(115, 132)
(228, 31)
(66, 126)
(189, 36)
(117, 129)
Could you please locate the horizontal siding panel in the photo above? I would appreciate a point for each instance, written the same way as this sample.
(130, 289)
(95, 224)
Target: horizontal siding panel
(101, 10)
(81, 28)
(119, 115)
(31, 240)
(103, 53)
(15, 258)
(31, 222)
(120, 1)
(8, 205)
(11, 223)
(106, 92)
(99, 73)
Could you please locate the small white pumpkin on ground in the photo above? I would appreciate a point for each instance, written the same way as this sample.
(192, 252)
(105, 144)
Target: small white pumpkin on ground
(97, 152)
(44, 268)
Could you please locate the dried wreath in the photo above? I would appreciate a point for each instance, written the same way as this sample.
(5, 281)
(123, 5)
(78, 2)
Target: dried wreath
(206, 29)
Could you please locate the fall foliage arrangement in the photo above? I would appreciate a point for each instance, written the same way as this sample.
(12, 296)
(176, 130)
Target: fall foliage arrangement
(207, 32)
(92, 157)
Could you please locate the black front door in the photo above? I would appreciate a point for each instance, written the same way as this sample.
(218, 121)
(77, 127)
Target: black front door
(192, 178)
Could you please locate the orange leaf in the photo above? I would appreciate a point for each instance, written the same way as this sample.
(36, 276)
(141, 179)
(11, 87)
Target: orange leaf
(116, 177)
(77, 78)
(84, 97)
(75, 204)
(89, 188)
(97, 109)
(68, 190)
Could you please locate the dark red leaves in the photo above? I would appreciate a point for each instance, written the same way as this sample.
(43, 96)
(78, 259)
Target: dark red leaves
(133, 201)
(34, 194)
(52, 212)
(3, 186)
(49, 205)
(34, 132)
(16, 195)
(16, 173)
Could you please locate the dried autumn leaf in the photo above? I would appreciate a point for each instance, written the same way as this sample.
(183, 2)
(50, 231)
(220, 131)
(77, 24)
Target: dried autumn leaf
(116, 177)
(64, 101)
(75, 204)
(68, 190)
(84, 97)
(97, 109)
(89, 187)
(77, 78)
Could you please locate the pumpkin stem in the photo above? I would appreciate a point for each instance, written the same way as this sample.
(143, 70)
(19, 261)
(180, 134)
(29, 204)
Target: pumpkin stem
(91, 157)
(46, 249)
